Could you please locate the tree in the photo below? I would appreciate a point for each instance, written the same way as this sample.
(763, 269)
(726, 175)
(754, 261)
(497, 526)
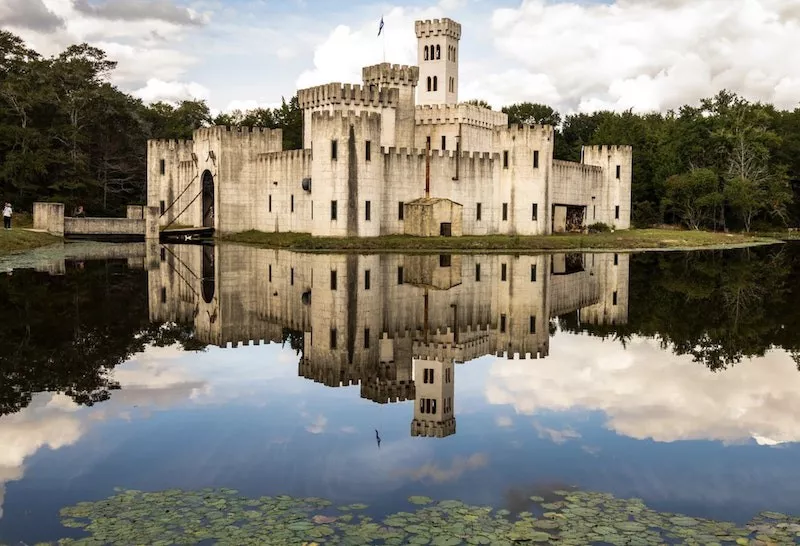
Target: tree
(532, 114)
(693, 196)
(480, 103)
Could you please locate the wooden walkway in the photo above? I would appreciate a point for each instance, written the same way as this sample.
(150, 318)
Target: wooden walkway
(186, 234)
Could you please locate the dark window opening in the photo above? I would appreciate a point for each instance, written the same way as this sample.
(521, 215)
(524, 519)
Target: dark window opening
(616, 259)
(426, 53)
(478, 212)
(503, 271)
(533, 273)
(535, 212)
(536, 159)
(269, 273)
(333, 338)
(334, 211)
(532, 325)
(269, 203)
(366, 338)
(444, 260)
(505, 159)
(368, 211)
(163, 254)
(438, 52)
(429, 83)
(428, 141)
(505, 212)
(477, 272)
(400, 275)
(400, 213)
(162, 165)
(334, 280)
(367, 280)
(436, 83)
(291, 276)
(163, 295)
(291, 206)
(619, 171)
(502, 324)
(163, 206)
(334, 149)
(616, 212)
(368, 151)
(446, 229)
(615, 298)
(444, 142)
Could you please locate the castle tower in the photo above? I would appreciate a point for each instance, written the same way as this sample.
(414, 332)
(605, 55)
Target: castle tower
(433, 408)
(404, 78)
(437, 54)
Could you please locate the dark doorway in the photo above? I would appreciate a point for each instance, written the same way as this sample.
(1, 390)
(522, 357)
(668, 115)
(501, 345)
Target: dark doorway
(446, 229)
(209, 270)
(208, 199)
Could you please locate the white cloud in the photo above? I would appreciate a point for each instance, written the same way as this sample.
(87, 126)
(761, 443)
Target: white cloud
(646, 392)
(171, 91)
(504, 421)
(318, 425)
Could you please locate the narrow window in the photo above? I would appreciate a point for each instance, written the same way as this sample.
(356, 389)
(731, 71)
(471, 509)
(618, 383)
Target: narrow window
(334, 280)
(367, 279)
(334, 149)
(291, 206)
(269, 273)
(400, 214)
(478, 212)
(368, 151)
(334, 212)
(269, 203)
(366, 338)
(616, 212)
(502, 324)
(505, 159)
(448, 375)
(163, 295)
(162, 165)
(532, 325)
(535, 212)
(429, 83)
(400, 275)
(438, 52)
(428, 141)
(333, 338)
(616, 259)
(536, 159)
(312, 210)
(163, 254)
(454, 54)
(430, 376)
(594, 212)
(444, 142)
(291, 276)
(615, 298)
(433, 406)
(533, 273)
(368, 211)
(162, 205)
(426, 53)
(618, 171)
(503, 271)
(427, 405)
(444, 260)
(477, 272)
(436, 83)
(505, 212)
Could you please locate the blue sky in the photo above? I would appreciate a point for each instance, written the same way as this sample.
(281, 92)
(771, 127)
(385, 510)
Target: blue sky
(576, 55)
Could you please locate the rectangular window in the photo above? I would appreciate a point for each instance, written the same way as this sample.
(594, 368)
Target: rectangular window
(428, 142)
(291, 276)
(269, 273)
(616, 212)
(619, 169)
(400, 214)
(333, 338)
(334, 149)
(535, 212)
(162, 165)
(334, 280)
(312, 210)
(334, 210)
(400, 275)
(505, 212)
(366, 338)
(532, 325)
(615, 298)
(533, 273)
(448, 375)
(269, 203)
(163, 254)
(502, 324)
(616, 259)
(163, 295)
(368, 151)
(444, 260)
(477, 272)
(444, 142)
(291, 206)
(594, 212)
(367, 280)
(503, 271)
(505, 159)
(163, 206)
(368, 211)
(478, 212)
(536, 159)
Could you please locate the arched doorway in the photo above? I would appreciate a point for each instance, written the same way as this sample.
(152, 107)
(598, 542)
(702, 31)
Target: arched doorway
(208, 199)
(209, 273)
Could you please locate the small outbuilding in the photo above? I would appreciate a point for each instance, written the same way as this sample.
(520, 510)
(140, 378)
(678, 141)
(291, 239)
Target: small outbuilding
(433, 217)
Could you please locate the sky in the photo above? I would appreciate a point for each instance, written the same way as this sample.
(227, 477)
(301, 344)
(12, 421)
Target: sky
(575, 55)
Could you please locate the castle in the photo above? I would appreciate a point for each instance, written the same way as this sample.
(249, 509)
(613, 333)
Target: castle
(396, 155)
(392, 327)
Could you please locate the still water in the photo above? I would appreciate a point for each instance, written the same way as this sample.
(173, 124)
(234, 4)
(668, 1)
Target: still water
(668, 377)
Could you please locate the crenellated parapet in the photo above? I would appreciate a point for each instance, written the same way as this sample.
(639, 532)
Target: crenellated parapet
(387, 74)
(468, 114)
(438, 27)
(338, 123)
(388, 391)
(560, 166)
(171, 145)
(347, 95)
(433, 429)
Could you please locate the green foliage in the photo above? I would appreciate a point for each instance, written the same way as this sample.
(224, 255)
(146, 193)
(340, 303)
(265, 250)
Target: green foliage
(693, 196)
(288, 117)
(599, 227)
(479, 102)
(532, 114)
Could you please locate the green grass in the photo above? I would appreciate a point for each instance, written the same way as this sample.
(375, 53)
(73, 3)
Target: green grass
(18, 240)
(636, 239)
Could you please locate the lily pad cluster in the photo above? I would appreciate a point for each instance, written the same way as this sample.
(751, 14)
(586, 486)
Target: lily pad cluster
(577, 518)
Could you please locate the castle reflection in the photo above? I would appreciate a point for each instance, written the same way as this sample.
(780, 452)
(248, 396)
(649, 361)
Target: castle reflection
(395, 325)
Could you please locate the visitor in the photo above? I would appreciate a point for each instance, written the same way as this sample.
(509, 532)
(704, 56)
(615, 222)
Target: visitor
(79, 212)
(7, 212)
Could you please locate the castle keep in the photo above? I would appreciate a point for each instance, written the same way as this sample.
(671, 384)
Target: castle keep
(397, 154)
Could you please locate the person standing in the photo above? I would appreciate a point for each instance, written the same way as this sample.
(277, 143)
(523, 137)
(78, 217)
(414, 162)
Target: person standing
(7, 212)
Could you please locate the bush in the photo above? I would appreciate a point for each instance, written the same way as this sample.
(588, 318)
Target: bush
(645, 215)
(599, 227)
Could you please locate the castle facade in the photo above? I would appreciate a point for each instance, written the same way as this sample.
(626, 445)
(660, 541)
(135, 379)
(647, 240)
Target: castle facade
(397, 154)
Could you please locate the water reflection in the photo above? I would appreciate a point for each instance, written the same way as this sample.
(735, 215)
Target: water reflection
(394, 325)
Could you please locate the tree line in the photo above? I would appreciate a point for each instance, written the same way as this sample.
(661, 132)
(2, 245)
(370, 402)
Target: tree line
(67, 134)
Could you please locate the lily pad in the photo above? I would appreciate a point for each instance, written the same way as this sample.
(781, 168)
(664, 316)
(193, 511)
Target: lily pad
(419, 500)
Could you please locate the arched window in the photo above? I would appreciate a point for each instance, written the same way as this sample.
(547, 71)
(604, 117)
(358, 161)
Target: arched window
(426, 53)
(429, 83)
(435, 83)
(438, 52)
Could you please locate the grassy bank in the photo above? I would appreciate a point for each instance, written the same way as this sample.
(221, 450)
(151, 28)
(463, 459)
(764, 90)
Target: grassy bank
(18, 240)
(637, 239)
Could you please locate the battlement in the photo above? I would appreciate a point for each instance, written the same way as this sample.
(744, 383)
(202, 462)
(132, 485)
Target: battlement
(333, 94)
(469, 114)
(525, 129)
(609, 148)
(222, 131)
(171, 144)
(388, 392)
(433, 429)
(438, 27)
(290, 155)
(560, 165)
(390, 74)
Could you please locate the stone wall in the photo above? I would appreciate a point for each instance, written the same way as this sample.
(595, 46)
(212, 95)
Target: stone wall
(103, 226)
(615, 191)
(49, 217)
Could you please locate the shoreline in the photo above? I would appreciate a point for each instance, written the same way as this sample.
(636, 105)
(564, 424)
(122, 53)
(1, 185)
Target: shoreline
(20, 239)
(646, 240)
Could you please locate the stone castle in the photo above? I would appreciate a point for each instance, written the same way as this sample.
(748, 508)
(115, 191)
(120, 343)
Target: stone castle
(394, 327)
(396, 155)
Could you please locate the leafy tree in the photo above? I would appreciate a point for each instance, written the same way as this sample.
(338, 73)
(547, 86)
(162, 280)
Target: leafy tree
(532, 114)
(479, 102)
(693, 196)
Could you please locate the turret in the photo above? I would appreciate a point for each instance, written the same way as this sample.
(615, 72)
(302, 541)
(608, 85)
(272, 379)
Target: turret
(437, 53)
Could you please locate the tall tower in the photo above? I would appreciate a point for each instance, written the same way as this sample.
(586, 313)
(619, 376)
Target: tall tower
(437, 54)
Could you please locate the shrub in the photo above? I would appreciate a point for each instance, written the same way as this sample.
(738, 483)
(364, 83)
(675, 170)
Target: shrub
(599, 227)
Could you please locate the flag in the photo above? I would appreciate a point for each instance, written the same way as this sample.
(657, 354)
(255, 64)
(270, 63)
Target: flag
(380, 27)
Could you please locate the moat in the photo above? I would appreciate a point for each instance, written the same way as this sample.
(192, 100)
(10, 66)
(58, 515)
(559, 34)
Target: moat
(366, 380)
